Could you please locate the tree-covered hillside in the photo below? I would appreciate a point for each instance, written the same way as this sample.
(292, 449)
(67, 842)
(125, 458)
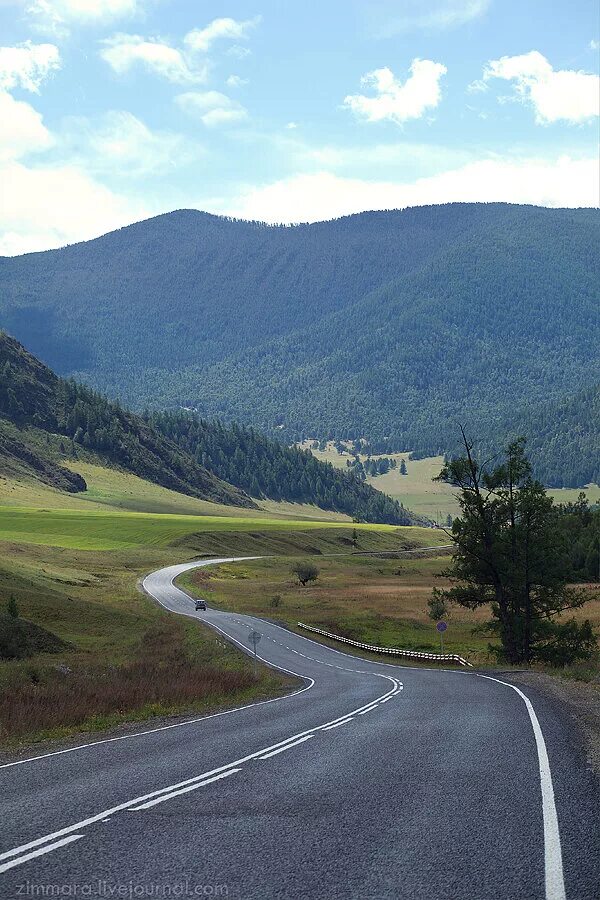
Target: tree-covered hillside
(264, 468)
(176, 451)
(565, 439)
(390, 326)
(34, 400)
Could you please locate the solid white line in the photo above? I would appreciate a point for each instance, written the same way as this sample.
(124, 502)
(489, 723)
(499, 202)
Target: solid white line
(337, 724)
(186, 790)
(555, 882)
(47, 849)
(287, 747)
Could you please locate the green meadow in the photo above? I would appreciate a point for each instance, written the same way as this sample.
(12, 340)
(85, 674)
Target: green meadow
(95, 530)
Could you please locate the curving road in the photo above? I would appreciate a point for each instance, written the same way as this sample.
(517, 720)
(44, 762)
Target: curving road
(370, 781)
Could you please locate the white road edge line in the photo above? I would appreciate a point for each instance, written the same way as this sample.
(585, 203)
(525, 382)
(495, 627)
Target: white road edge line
(307, 737)
(185, 790)
(47, 849)
(555, 882)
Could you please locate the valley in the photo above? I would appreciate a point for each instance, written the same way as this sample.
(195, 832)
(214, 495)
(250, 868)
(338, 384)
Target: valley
(73, 572)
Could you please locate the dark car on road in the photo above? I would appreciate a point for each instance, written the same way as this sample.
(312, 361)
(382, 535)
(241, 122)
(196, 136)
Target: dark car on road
(200, 604)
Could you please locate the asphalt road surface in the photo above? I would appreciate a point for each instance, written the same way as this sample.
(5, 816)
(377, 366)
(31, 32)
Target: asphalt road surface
(370, 781)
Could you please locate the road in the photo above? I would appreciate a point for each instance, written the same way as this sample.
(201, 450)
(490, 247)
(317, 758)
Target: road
(370, 781)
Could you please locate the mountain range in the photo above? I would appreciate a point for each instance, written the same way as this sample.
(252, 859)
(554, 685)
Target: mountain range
(394, 327)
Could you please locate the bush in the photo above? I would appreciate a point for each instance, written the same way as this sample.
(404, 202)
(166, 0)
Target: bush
(438, 608)
(12, 608)
(305, 572)
(13, 638)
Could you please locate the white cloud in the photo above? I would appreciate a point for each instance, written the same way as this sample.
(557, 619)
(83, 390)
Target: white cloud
(234, 81)
(22, 129)
(291, 126)
(479, 86)
(51, 207)
(434, 15)
(27, 65)
(121, 144)
(212, 108)
(239, 52)
(562, 182)
(554, 94)
(594, 45)
(395, 101)
(56, 16)
(231, 29)
(124, 51)
(403, 156)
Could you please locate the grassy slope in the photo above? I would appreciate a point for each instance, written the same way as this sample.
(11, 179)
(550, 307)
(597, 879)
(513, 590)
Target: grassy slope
(426, 497)
(122, 491)
(97, 530)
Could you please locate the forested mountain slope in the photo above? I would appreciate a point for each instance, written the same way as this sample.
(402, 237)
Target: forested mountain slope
(393, 326)
(202, 287)
(564, 438)
(35, 402)
(44, 419)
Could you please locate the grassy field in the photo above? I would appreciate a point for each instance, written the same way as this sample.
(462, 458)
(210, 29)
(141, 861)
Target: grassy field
(375, 600)
(416, 489)
(419, 492)
(94, 530)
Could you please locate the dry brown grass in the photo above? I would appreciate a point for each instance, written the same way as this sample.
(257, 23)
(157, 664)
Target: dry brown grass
(162, 678)
(380, 601)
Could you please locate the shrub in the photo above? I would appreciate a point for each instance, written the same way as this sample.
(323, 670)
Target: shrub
(305, 572)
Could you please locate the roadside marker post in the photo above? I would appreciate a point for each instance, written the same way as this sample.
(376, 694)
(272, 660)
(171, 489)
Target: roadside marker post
(253, 639)
(441, 627)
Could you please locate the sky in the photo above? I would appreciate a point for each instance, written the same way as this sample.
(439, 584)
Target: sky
(113, 111)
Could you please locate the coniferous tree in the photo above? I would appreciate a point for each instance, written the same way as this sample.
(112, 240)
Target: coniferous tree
(510, 554)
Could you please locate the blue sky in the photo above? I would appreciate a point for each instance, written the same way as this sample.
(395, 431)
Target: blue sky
(115, 110)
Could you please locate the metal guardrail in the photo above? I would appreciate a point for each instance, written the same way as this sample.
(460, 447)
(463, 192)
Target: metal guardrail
(392, 651)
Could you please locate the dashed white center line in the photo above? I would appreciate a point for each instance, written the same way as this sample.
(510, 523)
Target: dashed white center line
(370, 709)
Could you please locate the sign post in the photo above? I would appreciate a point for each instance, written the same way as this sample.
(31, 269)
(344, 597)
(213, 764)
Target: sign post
(441, 627)
(253, 639)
